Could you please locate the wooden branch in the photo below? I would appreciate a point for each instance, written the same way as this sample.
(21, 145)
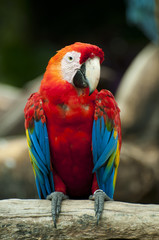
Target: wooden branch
(31, 219)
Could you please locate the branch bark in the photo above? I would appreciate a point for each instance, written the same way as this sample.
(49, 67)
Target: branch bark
(31, 219)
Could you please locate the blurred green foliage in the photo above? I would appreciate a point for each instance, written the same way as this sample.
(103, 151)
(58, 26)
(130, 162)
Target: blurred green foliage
(31, 32)
(21, 59)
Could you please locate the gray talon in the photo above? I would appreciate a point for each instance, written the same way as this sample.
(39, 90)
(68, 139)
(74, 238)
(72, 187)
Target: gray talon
(99, 197)
(56, 199)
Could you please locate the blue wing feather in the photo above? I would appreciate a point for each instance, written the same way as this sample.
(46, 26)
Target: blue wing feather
(38, 187)
(109, 149)
(37, 146)
(38, 173)
(41, 134)
(104, 147)
(47, 184)
(109, 168)
(98, 137)
(109, 188)
(47, 150)
(43, 190)
(37, 129)
(51, 181)
(38, 143)
(41, 165)
(34, 156)
(102, 127)
(105, 138)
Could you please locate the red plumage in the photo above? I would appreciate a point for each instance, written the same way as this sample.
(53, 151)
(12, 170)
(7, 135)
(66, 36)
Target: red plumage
(69, 115)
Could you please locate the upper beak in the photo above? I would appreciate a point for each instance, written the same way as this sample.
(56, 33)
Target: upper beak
(88, 75)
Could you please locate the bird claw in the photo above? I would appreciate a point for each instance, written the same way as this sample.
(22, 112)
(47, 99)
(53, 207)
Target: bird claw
(99, 197)
(56, 199)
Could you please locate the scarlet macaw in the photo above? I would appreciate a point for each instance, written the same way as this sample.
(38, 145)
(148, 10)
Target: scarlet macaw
(73, 131)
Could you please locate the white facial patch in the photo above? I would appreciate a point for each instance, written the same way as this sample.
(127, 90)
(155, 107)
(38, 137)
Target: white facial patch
(69, 65)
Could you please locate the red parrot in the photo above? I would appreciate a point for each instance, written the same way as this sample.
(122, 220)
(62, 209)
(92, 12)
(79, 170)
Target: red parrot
(73, 131)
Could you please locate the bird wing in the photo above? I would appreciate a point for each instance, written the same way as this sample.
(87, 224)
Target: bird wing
(38, 144)
(106, 141)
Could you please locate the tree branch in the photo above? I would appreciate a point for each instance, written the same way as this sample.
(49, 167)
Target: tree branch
(31, 219)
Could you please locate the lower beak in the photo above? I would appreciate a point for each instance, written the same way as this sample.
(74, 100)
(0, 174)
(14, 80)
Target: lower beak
(79, 79)
(88, 75)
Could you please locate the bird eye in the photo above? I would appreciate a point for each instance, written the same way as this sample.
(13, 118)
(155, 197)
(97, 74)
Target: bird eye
(70, 58)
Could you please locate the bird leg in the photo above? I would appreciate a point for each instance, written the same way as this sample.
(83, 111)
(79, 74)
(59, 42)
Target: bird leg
(99, 197)
(56, 199)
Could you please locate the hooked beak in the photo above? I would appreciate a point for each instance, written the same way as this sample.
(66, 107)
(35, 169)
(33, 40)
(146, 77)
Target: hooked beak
(88, 75)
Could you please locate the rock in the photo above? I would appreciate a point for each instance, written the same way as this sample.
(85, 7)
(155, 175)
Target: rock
(138, 97)
(8, 96)
(12, 121)
(16, 175)
(138, 173)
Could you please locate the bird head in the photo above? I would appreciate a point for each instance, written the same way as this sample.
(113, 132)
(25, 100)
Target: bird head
(78, 64)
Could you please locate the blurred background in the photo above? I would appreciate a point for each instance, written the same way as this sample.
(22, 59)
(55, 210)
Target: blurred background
(32, 31)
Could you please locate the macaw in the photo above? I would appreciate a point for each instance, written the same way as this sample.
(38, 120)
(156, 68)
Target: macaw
(73, 131)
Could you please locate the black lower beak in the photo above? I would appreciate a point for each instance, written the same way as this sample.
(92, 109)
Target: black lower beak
(79, 79)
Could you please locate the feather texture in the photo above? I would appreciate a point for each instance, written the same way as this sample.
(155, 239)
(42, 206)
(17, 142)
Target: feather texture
(106, 136)
(38, 144)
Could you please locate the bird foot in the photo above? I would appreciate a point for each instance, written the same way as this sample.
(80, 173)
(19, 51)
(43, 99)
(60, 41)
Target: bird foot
(56, 199)
(99, 197)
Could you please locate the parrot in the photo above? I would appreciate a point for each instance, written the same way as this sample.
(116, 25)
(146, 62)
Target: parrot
(73, 131)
